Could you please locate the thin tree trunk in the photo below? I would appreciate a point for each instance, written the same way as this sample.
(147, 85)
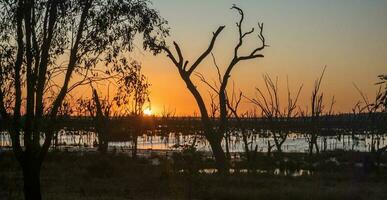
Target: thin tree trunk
(246, 144)
(56, 141)
(137, 132)
(311, 146)
(317, 148)
(134, 148)
(278, 144)
(228, 155)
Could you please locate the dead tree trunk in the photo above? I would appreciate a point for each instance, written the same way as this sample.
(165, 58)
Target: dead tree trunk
(134, 148)
(227, 143)
(279, 140)
(100, 124)
(214, 133)
(316, 112)
(221, 160)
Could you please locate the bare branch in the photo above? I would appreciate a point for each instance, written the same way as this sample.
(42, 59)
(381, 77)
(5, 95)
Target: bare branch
(178, 50)
(205, 53)
(217, 68)
(203, 79)
(317, 98)
(170, 56)
(364, 97)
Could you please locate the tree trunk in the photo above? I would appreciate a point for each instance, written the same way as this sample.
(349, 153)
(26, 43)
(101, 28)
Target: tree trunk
(246, 145)
(136, 133)
(269, 147)
(228, 155)
(325, 144)
(31, 178)
(102, 142)
(101, 125)
(310, 148)
(316, 146)
(56, 142)
(134, 148)
(313, 144)
(220, 157)
(278, 144)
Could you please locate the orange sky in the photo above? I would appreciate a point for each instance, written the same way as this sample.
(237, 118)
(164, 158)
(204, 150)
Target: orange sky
(350, 37)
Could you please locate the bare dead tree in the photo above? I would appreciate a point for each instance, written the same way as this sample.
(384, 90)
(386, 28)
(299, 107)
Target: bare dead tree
(168, 113)
(317, 107)
(382, 98)
(214, 133)
(375, 110)
(372, 108)
(233, 104)
(270, 104)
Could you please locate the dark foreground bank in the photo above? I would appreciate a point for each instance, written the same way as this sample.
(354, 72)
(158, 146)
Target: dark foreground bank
(115, 176)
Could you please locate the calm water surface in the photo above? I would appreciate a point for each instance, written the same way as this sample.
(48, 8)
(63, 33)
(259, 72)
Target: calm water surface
(295, 142)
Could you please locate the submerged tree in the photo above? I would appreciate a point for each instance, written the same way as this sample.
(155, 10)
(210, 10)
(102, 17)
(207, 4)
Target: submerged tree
(271, 107)
(44, 45)
(375, 110)
(214, 132)
(317, 107)
(381, 104)
(233, 104)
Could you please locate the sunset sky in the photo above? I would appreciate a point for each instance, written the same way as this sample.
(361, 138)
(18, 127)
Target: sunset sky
(348, 36)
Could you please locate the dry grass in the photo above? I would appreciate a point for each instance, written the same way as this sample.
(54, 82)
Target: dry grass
(92, 176)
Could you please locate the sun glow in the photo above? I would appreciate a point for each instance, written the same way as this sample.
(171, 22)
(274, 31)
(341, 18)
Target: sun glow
(148, 112)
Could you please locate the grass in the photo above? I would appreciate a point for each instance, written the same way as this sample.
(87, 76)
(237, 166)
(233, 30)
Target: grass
(93, 176)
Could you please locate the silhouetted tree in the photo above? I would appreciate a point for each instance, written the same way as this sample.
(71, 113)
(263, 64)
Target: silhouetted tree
(375, 110)
(101, 119)
(271, 107)
(382, 98)
(44, 44)
(381, 104)
(233, 104)
(100, 110)
(317, 107)
(214, 132)
(371, 108)
(132, 94)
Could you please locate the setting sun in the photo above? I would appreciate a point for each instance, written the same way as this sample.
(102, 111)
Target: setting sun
(148, 112)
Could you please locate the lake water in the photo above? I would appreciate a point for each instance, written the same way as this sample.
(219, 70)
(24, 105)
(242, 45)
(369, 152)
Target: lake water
(296, 142)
